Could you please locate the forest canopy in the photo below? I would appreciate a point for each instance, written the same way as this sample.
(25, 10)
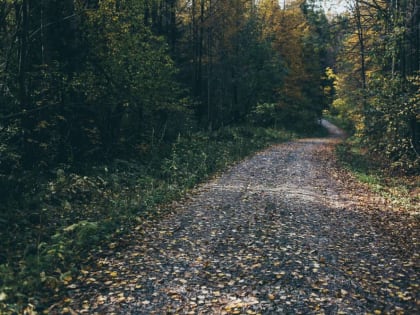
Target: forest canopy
(87, 79)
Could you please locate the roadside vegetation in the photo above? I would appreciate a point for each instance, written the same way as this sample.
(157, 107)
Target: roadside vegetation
(400, 191)
(376, 98)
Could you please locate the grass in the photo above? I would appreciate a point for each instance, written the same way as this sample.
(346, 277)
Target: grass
(402, 191)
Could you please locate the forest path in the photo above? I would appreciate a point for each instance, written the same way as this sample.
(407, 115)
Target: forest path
(286, 231)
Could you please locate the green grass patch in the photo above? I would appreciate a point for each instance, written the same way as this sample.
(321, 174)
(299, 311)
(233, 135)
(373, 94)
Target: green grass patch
(400, 190)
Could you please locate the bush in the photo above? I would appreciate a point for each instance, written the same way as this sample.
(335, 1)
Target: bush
(392, 125)
(265, 115)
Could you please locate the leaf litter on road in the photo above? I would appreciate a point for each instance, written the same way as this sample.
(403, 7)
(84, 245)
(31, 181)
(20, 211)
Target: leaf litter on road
(285, 231)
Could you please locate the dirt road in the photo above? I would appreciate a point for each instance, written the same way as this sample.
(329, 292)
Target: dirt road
(284, 232)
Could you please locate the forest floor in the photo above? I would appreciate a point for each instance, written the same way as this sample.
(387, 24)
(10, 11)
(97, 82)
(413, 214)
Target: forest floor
(286, 231)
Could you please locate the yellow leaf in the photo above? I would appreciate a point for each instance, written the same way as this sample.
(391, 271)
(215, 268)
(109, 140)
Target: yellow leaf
(85, 305)
(3, 296)
(43, 124)
(113, 274)
(121, 298)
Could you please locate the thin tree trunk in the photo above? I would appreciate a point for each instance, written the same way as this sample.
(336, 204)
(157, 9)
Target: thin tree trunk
(22, 19)
(173, 28)
(361, 39)
(200, 49)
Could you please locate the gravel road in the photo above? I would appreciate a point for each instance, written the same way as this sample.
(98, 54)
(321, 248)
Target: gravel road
(285, 231)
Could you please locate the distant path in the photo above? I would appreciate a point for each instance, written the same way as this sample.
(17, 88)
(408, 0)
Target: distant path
(284, 232)
(333, 129)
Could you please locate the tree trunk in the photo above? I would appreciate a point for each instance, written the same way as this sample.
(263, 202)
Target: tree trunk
(23, 21)
(361, 38)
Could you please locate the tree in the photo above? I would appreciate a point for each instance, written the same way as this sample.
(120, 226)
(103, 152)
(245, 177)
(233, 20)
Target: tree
(128, 78)
(383, 97)
(297, 33)
(224, 57)
(77, 73)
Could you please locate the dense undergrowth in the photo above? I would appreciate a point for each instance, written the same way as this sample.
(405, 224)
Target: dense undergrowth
(48, 233)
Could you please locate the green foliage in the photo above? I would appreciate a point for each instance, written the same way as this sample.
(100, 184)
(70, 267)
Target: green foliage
(392, 115)
(377, 84)
(352, 156)
(388, 125)
(128, 78)
(266, 114)
(194, 158)
(299, 35)
(399, 190)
